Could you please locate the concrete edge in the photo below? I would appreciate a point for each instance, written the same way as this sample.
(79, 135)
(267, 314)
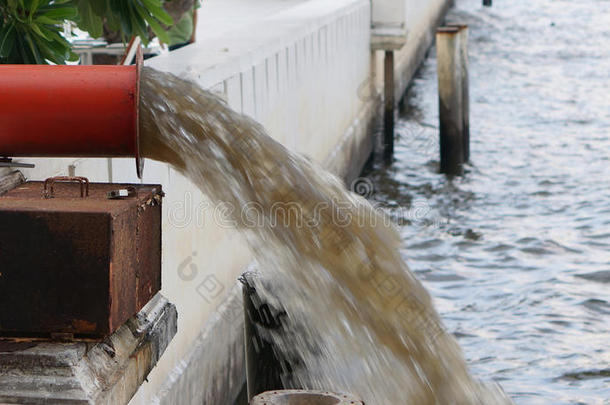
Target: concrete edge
(108, 372)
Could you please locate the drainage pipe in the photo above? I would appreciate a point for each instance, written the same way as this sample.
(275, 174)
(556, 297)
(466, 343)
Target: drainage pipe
(301, 397)
(70, 111)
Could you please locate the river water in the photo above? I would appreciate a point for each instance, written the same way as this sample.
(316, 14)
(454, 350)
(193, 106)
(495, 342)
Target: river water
(516, 253)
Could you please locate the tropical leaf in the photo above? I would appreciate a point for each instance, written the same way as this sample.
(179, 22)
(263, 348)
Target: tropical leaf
(88, 20)
(7, 40)
(155, 7)
(59, 13)
(31, 30)
(99, 7)
(158, 29)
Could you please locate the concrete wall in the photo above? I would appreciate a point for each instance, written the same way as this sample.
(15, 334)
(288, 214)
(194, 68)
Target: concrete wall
(421, 20)
(390, 13)
(304, 69)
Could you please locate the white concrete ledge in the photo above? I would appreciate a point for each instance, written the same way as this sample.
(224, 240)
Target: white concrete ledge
(388, 39)
(106, 373)
(214, 58)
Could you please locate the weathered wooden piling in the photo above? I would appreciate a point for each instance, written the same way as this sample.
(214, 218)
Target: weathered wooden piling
(463, 65)
(450, 100)
(389, 90)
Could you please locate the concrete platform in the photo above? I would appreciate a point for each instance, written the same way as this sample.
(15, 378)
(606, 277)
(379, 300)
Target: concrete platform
(109, 372)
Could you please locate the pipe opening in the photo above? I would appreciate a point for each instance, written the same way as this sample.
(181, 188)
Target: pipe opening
(303, 398)
(307, 399)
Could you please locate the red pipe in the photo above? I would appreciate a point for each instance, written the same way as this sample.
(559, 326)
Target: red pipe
(70, 111)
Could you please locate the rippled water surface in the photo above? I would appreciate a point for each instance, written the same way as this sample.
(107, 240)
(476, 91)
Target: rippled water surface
(517, 252)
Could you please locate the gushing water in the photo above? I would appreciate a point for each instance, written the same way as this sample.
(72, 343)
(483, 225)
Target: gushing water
(336, 258)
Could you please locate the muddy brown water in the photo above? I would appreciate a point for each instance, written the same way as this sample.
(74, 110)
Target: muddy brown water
(337, 259)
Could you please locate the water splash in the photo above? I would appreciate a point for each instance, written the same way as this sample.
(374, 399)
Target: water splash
(336, 258)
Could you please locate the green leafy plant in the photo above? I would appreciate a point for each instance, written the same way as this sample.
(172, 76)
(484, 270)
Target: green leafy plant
(129, 17)
(31, 30)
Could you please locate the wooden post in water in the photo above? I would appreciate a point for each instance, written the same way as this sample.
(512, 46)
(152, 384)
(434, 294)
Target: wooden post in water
(487, 3)
(450, 100)
(463, 66)
(388, 65)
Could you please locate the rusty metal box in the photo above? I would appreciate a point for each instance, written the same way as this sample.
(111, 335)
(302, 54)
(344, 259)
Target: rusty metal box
(72, 266)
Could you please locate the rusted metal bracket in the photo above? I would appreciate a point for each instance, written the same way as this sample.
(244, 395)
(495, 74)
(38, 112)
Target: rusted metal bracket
(48, 191)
